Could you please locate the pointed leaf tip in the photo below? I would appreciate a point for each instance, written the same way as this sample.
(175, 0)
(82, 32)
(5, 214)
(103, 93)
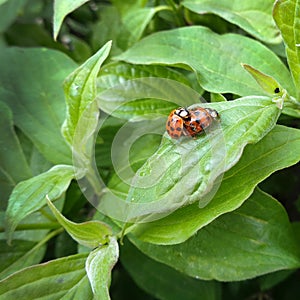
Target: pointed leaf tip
(91, 234)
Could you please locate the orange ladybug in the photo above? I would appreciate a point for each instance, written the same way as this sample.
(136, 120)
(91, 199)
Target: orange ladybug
(189, 122)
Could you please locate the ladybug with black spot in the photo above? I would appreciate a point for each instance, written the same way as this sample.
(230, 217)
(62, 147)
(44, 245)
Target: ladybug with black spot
(190, 122)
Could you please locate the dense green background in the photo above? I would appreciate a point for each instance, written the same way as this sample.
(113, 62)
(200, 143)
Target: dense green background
(231, 228)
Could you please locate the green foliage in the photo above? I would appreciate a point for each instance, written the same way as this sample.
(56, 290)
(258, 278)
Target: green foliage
(255, 17)
(99, 265)
(83, 116)
(89, 234)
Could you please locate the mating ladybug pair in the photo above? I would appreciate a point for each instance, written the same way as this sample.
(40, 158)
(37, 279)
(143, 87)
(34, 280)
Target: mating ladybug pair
(189, 122)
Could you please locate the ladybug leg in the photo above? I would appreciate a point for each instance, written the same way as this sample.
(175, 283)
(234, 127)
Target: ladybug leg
(185, 132)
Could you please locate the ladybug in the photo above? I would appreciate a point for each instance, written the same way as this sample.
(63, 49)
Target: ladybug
(189, 122)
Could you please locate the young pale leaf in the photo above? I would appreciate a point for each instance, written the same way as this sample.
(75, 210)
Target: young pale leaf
(13, 164)
(164, 282)
(30, 195)
(61, 9)
(277, 150)
(215, 58)
(268, 83)
(255, 239)
(184, 171)
(286, 15)
(89, 234)
(98, 267)
(255, 17)
(80, 90)
(63, 278)
(31, 81)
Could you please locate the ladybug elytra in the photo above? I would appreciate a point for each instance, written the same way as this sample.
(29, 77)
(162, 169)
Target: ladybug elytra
(189, 122)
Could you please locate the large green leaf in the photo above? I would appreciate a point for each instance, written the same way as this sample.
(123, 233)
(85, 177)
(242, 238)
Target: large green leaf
(164, 282)
(31, 82)
(63, 278)
(13, 164)
(99, 265)
(255, 17)
(287, 14)
(253, 240)
(30, 195)
(215, 58)
(182, 172)
(277, 150)
(80, 90)
(90, 234)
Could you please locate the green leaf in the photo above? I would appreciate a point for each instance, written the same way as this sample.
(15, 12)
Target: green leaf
(30, 195)
(22, 253)
(277, 150)
(182, 172)
(107, 28)
(136, 92)
(272, 87)
(13, 257)
(61, 10)
(90, 234)
(253, 240)
(218, 65)
(116, 73)
(80, 90)
(286, 14)
(217, 97)
(255, 17)
(63, 278)
(164, 282)
(134, 22)
(125, 6)
(10, 153)
(268, 83)
(99, 265)
(9, 12)
(31, 86)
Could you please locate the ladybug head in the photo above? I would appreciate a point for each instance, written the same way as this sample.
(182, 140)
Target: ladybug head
(214, 114)
(182, 113)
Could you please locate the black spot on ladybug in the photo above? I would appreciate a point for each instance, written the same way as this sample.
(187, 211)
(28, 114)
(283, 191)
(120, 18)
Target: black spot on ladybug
(172, 129)
(178, 128)
(175, 135)
(169, 123)
(277, 90)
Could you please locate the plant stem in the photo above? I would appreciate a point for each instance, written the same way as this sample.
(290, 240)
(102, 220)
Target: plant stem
(39, 226)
